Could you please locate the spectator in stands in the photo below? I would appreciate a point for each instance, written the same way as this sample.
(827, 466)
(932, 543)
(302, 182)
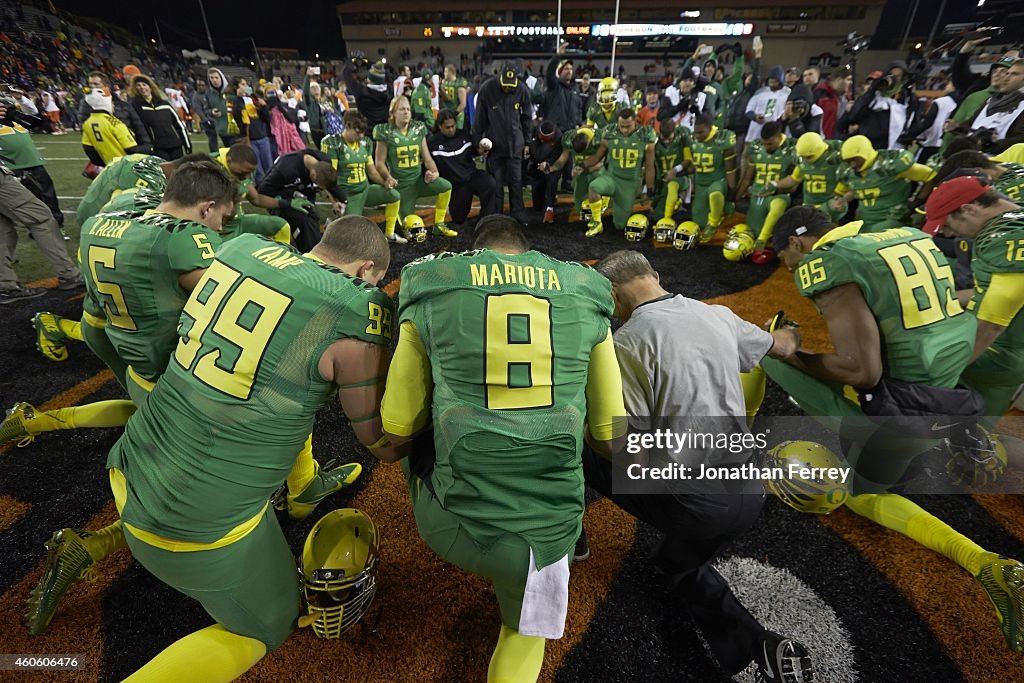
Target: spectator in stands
(165, 128)
(203, 112)
(283, 120)
(104, 136)
(792, 77)
(800, 115)
(736, 113)
(974, 89)
(373, 99)
(312, 95)
(223, 121)
(1001, 117)
(830, 96)
(254, 126)
(648, 114)
(767, 104)
(927, 129)
(586, 93)
(561, 103)
(811, 77)
(503, 116)
(454, 153)
(49, 106)
(884, 111)
(121, 109)
(545, 149)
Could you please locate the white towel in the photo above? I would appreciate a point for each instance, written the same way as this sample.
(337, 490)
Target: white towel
(545, 600)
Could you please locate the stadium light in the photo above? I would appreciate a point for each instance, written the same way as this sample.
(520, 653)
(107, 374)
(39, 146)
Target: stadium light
(918, 46)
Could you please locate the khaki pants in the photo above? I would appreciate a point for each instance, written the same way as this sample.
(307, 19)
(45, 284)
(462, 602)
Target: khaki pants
(19, 208)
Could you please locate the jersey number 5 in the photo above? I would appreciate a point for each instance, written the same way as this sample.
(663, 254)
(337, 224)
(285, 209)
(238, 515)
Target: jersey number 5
(518, 352)
(232, 320)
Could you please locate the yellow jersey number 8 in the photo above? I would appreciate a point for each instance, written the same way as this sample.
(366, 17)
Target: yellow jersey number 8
(921, 302)
(518, 352)
(220, 301)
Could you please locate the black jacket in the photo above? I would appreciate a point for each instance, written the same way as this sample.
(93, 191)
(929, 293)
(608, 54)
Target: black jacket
(541, 151)
(561, 102)
(128, 116)
(453, 156)
(290, 175)
(162, 123)
(373, 104)
(874, 123)
(502, 117)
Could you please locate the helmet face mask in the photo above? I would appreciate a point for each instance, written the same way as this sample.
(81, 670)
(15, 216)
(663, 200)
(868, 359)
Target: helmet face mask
(687, 236)
(607, 93)
(636, 227)
(415, 227)
(664, 230)
(338, 570)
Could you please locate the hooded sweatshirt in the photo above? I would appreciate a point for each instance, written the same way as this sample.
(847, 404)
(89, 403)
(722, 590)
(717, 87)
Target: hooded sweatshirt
(767, 103)
(215, 97)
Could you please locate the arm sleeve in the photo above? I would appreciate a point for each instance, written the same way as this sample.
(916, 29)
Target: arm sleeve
(918, 173)
(93, 155)
(960, 70)
(550, 77)
(604, 392)
(1003, 299)
(138, 129)
(405, 407)
(339, 194)
(752, 343)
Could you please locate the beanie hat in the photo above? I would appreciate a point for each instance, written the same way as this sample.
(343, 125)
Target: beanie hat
(377, 73)
(777, 73)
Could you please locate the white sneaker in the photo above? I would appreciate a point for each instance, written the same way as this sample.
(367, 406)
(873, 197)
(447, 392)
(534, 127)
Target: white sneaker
(396, 238)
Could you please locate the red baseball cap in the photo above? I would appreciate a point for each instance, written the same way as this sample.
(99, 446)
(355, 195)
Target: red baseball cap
(948, 197)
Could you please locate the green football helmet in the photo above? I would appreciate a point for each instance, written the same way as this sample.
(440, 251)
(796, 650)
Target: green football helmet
(739, 244)
(338, 571)
(415, 228)
(687, 236)
(818, 496)
(664, 230)
(636, 227)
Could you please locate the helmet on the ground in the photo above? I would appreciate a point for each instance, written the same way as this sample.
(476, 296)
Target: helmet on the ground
(978, 457)
(739, 243)
(338, 572)
(415, 228)
(636, 227)
(687, 236)
(798, 485)
(664, 230)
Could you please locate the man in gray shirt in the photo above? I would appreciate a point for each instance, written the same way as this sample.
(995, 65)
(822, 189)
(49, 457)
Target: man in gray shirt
(682, 358)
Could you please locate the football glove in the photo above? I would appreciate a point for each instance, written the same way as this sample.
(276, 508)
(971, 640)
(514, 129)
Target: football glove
(779, 322)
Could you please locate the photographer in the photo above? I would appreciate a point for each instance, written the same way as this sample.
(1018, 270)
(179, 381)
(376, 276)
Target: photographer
(689, 104)
(974, 89)
(1001, 118)
(800, 115)
(19, 153)
(884, 111)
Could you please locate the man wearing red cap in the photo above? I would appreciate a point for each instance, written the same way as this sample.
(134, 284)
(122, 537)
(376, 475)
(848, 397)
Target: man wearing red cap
(971, 208)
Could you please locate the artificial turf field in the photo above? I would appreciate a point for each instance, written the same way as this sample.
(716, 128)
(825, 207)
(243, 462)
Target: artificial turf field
(871, 605)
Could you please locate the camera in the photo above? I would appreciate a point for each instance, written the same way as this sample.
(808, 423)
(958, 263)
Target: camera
(14, 115)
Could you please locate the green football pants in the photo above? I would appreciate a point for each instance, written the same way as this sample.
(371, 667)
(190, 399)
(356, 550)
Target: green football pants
(99, 343)
(249, 587)
(623, 193)
(412, 190)
(580, 190)
(764, 213)
(878, 464)
(370, 195)
(709, 203)
(681, 185)
(499, 556)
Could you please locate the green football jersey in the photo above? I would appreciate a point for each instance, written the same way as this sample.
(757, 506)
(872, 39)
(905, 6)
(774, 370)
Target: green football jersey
(999, 248)
(17, 151)
(448, 98)
(404, 160)
(509, 340)
(819, 177)
(134, 170)
(1011, 182)
(579, 159)
(769, 166)
(350, 160)
(221, 430)
(131, 262)
(422, 102)
(625, 158)
(221, 157)
(709, 155)
(908, 285)
(140, 199)
(599, 117)
(668, 156)
(882, 195)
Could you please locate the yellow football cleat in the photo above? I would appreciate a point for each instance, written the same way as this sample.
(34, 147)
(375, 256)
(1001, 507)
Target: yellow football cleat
(67, 561)
(50, 341)
(594, 228)
(443, 230)
(17, 426)
(328, 480)
(1003, 581)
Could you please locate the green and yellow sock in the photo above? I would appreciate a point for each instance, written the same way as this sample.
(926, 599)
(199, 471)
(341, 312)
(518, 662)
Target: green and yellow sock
(596, 209)
(901, 515)
(99, 415)
(105, 541)
(391, 217)
(671, 198)
(776, 208)
(216, 652)
(304, 470)
(441, 206)
(517, 658)
(716, 208)
(72, 329)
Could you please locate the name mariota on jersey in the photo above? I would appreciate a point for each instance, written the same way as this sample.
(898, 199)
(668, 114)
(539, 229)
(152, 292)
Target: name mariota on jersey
(110, 228)
(529, 276)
